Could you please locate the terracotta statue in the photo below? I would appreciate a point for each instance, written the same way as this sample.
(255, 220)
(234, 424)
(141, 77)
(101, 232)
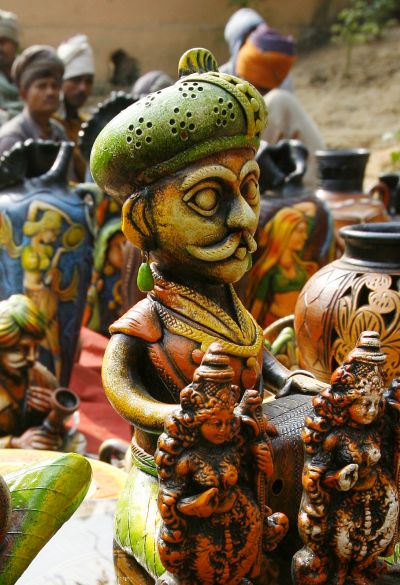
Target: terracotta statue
(207, 459)
(181, 161)
(350, 506)
(26, 387)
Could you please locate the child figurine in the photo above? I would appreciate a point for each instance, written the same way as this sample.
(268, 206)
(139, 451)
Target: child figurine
(212, 527)
(349, 511)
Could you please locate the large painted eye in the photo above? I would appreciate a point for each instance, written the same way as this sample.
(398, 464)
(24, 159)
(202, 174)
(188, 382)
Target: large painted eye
(204, 198)
(250, 190)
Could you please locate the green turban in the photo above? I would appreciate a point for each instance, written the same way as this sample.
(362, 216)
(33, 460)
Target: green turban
(203, 113)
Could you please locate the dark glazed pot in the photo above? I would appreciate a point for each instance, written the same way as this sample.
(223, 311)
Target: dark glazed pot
(356, 293)
(341, 175)
(46, 243)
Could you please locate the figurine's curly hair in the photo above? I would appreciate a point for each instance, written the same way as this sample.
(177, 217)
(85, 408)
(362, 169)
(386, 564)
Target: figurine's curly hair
(331, 406)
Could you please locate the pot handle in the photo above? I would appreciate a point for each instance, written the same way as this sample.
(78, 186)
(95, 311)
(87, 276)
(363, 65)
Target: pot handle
(381, 191)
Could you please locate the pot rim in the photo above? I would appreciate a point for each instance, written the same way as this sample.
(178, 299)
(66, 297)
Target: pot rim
(342, 152)
(367, 231)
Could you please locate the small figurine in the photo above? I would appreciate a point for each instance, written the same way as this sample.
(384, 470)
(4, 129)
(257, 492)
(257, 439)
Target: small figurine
(349, 511)
(27, 389)
(212, 527)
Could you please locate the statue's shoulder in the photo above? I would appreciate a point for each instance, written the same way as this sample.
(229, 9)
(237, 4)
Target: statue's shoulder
(140, 321)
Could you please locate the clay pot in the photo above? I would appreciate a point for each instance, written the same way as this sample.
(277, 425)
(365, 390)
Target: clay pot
(46, 243)
(356, 293)
(388, 189)
(341, 174)
(294, 234)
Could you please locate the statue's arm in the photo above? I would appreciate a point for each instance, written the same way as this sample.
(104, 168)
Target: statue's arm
(125, 387)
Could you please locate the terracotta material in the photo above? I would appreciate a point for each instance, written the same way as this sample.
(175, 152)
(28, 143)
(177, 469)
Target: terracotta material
(200, 460)
(182, 163)
(349, 511)
(294, 235)
(356, 292)
(341, 175)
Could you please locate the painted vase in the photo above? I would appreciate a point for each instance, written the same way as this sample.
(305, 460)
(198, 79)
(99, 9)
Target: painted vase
(341, 176)
(356, 293)
(46, 244)
(104, 301)
(294, 235)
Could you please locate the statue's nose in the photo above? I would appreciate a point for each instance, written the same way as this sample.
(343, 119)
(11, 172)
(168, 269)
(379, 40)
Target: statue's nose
(241, 215)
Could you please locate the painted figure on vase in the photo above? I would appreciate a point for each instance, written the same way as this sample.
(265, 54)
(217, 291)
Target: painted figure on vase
(40, 262)
(280, 273)
(350, 506)
(181, 161)
(209, 459)
(104, 302)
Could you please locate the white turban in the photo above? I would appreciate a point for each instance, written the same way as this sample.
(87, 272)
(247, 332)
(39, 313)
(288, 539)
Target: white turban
(77, 56)
(9, 26)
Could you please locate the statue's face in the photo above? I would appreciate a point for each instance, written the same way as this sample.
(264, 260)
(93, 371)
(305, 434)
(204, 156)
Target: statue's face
(204, 218)
(15, 361)
(365, 408)
(217, 429)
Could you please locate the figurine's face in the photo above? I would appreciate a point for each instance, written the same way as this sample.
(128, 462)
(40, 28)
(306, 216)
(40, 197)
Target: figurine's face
(16, 360)
(365, 408)
(218, 428)
(298, 237)
(49, 236)
(204, 218)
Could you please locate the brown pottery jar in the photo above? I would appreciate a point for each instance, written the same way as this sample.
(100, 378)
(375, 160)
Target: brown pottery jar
(356, 293)
(341, 176)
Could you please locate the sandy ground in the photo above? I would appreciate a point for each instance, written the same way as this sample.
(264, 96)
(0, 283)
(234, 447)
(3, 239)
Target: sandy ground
(359, 110)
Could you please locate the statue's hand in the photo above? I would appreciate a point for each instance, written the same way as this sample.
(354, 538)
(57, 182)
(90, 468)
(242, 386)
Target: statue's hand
(36, 438)
(39, 398)
(301, 383)
(347, 477)
(202, 505)
(263, 458)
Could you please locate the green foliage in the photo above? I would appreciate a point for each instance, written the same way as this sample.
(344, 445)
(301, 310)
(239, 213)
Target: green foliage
(361, 21)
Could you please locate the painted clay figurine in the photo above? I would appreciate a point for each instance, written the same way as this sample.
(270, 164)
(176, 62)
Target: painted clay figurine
(181, 161)
(209, 460)
(349, 511)
(27, 388)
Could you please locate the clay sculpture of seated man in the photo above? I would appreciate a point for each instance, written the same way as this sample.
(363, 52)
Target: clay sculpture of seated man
(26, 386)
(181, 161)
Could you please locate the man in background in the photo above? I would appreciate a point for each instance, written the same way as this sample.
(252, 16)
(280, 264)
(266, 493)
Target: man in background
(77, 57)
(10, 101)
(37, 72)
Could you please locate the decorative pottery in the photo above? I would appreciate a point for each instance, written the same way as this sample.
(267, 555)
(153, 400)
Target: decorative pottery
(46, 243)
(388, 188)
(359, 291)
(294, 235)
(341, 174)
(104, 302)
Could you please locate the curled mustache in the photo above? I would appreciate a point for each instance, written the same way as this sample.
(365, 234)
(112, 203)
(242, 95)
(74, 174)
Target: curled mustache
(229, 246)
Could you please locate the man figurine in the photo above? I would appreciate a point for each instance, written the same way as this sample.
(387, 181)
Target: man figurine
(10, 102)
(77, 57)
(38, 74)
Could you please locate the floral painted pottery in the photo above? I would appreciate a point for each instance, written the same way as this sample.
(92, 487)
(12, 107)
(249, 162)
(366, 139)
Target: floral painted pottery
(358, 292)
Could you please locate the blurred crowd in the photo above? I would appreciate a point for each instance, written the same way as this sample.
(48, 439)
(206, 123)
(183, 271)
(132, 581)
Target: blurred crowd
(43, 90)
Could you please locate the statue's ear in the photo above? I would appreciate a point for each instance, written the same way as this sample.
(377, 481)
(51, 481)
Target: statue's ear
(134, 222)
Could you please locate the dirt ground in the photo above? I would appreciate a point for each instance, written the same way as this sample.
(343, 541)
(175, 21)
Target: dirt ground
(359, 110)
